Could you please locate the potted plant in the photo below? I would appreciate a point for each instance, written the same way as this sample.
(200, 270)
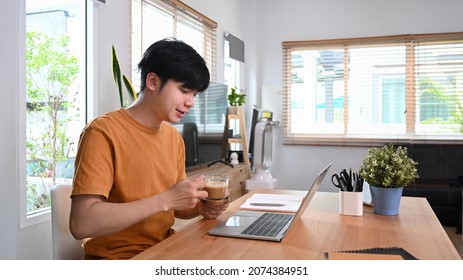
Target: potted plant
(235, 99)
(119, 78)
(387, 170)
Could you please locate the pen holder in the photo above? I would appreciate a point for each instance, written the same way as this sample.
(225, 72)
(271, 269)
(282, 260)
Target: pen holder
(351, 203)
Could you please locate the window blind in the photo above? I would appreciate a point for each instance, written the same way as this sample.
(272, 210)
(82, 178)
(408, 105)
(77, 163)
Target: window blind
(209, 111)
(153, 20)
(366, 91)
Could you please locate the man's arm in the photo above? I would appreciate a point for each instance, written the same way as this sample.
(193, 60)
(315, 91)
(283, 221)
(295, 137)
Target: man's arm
(92, 215)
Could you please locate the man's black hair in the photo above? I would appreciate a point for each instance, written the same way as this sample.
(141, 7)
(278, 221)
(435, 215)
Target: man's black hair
(173, 59)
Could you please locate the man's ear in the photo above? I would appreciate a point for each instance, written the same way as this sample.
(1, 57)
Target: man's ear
(152, 81)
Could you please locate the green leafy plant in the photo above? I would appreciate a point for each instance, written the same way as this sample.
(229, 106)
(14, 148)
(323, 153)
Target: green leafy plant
(35, 199)
(51, 72)
(119, 79)
(235, 98)
(388, 166)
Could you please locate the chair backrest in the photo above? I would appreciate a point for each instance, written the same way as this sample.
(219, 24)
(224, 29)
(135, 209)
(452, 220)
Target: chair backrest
(65, 246)
(190, 137)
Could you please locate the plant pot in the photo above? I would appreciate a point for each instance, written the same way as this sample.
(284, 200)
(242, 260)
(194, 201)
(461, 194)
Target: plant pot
(386, 201)
(233, 110)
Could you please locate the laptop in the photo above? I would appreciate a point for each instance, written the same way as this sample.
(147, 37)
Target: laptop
(270, 226)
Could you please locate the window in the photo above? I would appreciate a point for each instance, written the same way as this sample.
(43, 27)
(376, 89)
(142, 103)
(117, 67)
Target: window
(209, 110)
(232, 71)
(153, 20)
(55, 95)
(373, 90)
(232, 75)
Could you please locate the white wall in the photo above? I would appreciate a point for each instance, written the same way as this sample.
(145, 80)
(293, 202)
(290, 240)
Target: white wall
(112, 28)
(330, 19)
(262, 25)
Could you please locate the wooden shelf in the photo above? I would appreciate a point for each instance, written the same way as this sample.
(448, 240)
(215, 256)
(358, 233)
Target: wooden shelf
(235, 113)
(234, 140)
(233, 116)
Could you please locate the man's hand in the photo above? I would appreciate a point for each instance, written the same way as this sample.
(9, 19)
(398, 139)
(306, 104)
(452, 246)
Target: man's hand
(211, 210)
(186, 193)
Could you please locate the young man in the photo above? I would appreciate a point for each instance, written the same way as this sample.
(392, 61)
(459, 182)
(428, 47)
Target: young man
(130, 180)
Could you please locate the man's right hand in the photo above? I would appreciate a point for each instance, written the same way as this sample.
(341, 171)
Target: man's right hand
(186, 193)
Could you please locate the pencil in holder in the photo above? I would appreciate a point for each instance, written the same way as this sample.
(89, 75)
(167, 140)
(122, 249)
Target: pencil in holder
(351, 203)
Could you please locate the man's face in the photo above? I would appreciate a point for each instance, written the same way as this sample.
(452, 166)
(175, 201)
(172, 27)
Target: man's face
(175, 101)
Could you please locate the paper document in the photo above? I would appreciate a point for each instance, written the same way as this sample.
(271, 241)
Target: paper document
(273, 202)
(367, 194)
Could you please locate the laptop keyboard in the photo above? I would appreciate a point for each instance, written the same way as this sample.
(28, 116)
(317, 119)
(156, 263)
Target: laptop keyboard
(269, 224)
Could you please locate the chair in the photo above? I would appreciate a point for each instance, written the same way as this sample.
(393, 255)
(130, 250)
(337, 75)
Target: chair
(65, 246)
(190, 136)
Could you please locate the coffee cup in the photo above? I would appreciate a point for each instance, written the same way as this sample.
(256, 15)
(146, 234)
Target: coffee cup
(216, 187)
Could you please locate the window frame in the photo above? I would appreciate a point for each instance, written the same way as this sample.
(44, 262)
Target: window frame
(29, 219)
(346, 139)
(181, 12)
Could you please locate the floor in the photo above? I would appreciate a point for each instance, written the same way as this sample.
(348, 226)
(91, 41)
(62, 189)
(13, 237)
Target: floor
(456, 238)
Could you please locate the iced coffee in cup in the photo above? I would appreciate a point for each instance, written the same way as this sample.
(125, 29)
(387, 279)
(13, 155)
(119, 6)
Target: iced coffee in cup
(217, 188)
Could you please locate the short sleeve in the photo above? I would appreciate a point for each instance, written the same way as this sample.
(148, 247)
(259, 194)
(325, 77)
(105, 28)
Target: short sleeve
(94, 166)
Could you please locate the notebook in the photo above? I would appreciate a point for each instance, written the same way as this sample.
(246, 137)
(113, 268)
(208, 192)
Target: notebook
(261, 225)
(386, 253)
(273, 202)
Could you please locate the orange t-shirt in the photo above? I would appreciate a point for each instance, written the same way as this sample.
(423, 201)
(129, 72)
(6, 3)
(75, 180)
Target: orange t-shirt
(124, 161)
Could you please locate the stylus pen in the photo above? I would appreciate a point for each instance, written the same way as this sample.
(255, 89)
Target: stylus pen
(268, 204)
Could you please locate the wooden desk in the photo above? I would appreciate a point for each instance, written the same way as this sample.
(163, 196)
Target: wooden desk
(321, 229)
